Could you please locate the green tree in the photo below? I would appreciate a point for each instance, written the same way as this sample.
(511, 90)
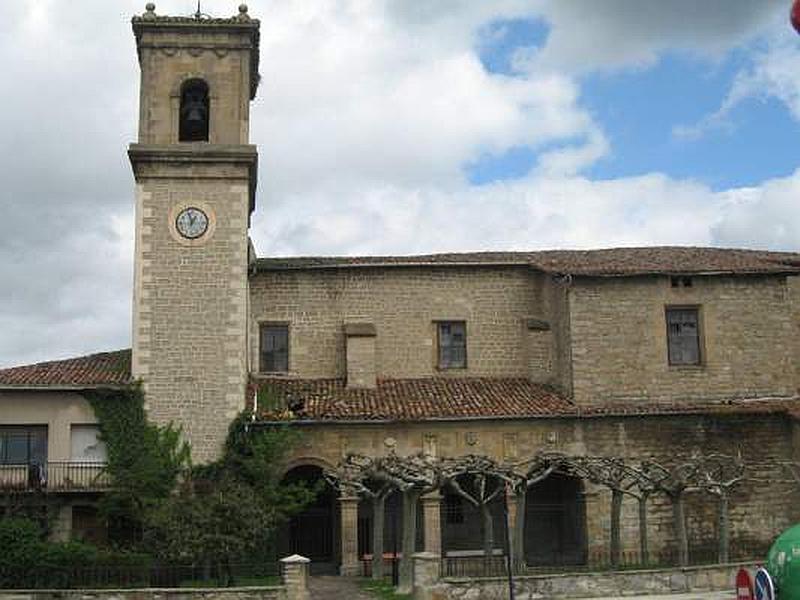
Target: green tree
(224, 511)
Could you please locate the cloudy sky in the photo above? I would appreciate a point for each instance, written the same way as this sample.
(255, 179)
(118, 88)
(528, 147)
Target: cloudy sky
(406, 126)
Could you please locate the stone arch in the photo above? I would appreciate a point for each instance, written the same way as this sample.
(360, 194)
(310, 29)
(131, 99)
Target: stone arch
(314, 532)
(555, 522)
(194, 112)
(311, 461)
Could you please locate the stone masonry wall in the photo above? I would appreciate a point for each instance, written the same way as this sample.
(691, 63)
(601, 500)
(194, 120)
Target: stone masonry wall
(404, 305)
(761, 440)
(220, 57)
(619, 339)
(585, 585)
(794, 296)
(248, 593)
(189, 339)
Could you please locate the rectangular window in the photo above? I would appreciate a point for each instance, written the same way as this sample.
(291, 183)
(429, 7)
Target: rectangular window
(22, 445)
(683, 336)
(452, 345)
(274, 348)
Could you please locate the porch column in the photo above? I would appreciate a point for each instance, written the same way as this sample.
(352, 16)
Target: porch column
(515, 531)
(431, 518)
(348, 512)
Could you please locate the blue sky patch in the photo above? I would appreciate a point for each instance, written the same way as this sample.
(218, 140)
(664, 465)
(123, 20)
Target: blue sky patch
(640, 110)
(498, 41)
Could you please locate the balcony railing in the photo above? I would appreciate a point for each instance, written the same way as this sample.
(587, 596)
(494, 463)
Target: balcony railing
(54, 477)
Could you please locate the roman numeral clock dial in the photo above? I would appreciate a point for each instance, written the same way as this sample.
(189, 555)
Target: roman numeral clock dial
(191, 223)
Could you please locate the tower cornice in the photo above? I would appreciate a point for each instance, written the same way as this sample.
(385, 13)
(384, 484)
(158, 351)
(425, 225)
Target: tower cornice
(158, 31)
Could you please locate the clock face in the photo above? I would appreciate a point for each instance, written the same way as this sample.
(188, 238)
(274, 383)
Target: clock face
(191, 223)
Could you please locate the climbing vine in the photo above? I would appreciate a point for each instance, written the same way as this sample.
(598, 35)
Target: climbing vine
(220, 511)
(144, 460)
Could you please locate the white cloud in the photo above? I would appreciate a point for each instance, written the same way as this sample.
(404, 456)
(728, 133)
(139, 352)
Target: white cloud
(586, 36)
(366, 117)
(772, 72)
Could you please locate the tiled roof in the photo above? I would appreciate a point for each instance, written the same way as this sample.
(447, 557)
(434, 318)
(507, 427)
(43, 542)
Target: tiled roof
(410, 399)
(613, 262)
(106, 368)
(467, 398)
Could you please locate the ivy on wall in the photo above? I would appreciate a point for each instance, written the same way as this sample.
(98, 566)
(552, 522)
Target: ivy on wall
(221, 511)
(144, 460)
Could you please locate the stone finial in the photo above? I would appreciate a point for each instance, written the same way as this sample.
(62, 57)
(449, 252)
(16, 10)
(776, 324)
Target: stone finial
(243, 16)
(295, 558)
(150, 11)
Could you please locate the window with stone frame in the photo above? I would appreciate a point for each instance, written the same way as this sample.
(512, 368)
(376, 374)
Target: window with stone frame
(683, 335)
(274, 348)
(452, 344)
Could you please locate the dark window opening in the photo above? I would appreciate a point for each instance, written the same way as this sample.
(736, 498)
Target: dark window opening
(453, 508)
(274, 348)
(23, 445)
(194, 113)
(676, 281)
(452, 345)
(683, 336)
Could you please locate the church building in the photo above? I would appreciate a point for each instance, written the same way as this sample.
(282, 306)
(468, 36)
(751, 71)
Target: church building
(634, 352)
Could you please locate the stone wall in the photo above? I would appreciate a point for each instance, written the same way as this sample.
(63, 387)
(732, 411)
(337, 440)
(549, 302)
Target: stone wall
(248, 593)
(189, 337)
(585, 585)
(403, 304)
(619, 339)
(762, 439)
(218, 55)
(190, 295)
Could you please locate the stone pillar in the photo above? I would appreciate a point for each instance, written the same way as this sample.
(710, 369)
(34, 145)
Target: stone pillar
(431, 515)
(426, 575)
(512, 507)
(295, 577)
(348, 507)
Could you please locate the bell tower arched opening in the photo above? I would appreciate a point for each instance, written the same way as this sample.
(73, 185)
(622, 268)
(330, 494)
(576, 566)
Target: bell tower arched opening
(195, 111)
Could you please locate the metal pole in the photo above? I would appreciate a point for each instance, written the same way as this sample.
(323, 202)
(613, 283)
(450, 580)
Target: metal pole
(508, 550)
(395, 572)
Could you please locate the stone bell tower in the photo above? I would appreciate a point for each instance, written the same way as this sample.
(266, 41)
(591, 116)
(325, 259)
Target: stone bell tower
(195, 183)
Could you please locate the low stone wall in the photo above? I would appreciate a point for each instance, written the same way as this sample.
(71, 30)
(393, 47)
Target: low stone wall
(586, 585)
(233, 593)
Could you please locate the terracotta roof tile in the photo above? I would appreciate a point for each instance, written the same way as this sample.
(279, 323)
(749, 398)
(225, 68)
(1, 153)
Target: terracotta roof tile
(465, 398)
(105, 368)
(612, 262)
(410, 399)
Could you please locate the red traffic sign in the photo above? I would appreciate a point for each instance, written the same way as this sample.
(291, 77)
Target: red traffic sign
(744, 585)
(794, 16)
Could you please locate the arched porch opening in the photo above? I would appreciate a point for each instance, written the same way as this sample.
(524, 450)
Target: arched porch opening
(392, 530)
(555, 522)
(463, 524)
(314, 532)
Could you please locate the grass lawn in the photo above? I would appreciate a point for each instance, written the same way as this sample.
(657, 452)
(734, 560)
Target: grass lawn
(382, 589)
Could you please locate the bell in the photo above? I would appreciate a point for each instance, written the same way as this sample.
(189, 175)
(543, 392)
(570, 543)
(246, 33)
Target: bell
(194, 119)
